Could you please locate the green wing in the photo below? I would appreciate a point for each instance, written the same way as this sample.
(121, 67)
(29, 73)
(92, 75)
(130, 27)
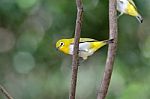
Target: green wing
(87, 40)
(83, 40)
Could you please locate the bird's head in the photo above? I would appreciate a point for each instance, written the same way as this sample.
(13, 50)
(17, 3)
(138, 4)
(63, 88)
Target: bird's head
(60, 44)
(122, 2)
(63, 45)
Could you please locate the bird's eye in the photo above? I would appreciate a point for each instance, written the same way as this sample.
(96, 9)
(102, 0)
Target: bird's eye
(61, 43)
(121, 2)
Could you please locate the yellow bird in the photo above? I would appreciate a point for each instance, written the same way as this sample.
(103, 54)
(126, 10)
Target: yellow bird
(87, 46)
(128, 7)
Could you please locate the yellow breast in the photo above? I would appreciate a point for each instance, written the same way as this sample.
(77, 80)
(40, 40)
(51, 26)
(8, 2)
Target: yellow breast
(65, 49)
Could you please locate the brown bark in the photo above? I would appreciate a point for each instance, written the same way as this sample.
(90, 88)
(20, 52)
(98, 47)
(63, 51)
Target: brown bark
(113, 33)
(5, 92)
(76, 48)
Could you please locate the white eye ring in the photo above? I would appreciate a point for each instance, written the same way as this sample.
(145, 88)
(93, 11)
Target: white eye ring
(61, 43)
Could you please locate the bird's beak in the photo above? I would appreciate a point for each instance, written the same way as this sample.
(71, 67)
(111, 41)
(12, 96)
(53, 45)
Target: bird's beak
(58, 47)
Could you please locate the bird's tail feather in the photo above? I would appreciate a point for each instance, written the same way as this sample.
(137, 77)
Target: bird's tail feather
(109, 41)
(140, 18)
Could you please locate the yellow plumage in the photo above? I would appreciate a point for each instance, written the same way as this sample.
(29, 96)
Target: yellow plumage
(128, 7)
(131, 9)
(87, 46)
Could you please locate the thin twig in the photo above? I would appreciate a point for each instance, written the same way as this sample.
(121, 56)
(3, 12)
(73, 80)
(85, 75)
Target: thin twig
(113, 33)
(76, 48)
(5, 92)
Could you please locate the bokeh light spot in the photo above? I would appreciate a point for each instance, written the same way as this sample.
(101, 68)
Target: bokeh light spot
(146, 48)
(23, 62)
(26, 3)
(7, 40)
(27, 42)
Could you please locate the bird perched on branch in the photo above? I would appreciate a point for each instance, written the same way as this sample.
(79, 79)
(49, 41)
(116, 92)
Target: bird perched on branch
(87, 46)
(128, 7)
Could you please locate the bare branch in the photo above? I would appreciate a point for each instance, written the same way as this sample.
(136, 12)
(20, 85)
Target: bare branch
(113, 33)
(5, 92)
(76, 48)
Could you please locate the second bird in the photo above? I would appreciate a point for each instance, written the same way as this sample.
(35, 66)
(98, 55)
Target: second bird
(128, 7)
(87, 46)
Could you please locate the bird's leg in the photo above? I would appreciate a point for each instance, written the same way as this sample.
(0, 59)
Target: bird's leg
(78, 62)
(81, 60)
(120, 14)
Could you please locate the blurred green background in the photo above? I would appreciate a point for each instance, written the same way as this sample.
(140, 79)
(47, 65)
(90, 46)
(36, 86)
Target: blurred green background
(32, 68)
